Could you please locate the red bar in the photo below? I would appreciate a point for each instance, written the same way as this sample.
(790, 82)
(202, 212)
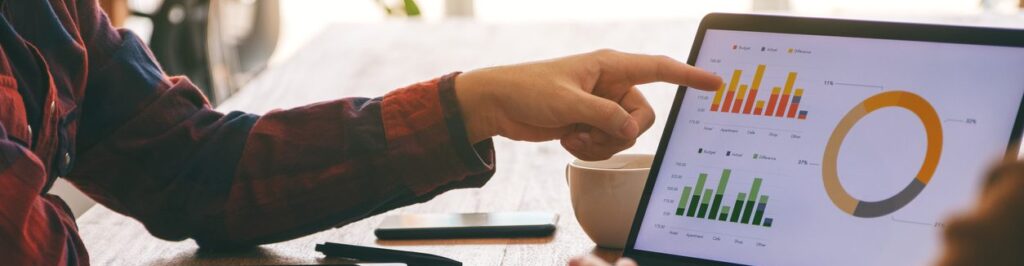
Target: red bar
(802, 116)
(771, 104)
(757, 111)
(728, 101)
(714, 107)
(782, 105)
(736, 105)
(751, 98)
(792, 110)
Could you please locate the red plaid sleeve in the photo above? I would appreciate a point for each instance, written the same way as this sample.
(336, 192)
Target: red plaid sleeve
(314, 167)
(188, 172)
(33, 228)
(151, 147)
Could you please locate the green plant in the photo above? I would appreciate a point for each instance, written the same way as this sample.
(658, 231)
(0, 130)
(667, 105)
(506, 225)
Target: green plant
(406, 7)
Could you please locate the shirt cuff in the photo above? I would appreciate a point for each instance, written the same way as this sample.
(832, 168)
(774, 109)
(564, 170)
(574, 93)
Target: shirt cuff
(477, 157)
(427, 144)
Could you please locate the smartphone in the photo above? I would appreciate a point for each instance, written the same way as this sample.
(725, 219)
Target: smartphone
(467, 225)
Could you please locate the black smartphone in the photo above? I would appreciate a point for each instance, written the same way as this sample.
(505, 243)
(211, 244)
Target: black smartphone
(467, 225)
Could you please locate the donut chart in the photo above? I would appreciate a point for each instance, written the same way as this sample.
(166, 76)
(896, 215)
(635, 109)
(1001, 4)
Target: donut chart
(830, 175)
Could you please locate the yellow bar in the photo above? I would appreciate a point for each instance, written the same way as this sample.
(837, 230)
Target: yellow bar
(789, 82)
(718, 95)
(743, 92)
(759, 104)
(735, 79)
(757, 77)
(776, 90)
(799, 92)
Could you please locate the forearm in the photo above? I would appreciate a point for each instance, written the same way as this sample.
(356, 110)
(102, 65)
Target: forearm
(386, 153)
(228, 182)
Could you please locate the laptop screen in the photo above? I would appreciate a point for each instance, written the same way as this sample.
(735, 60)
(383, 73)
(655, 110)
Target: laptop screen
(824, 150)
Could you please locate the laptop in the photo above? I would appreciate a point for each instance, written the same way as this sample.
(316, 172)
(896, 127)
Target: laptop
(831, 142)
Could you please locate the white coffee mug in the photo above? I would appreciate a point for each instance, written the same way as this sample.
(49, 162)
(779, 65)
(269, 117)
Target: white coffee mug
(605, 195)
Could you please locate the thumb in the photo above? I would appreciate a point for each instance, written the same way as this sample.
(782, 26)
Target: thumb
(604, 114)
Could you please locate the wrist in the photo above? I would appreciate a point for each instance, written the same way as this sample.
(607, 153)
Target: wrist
(475, 107)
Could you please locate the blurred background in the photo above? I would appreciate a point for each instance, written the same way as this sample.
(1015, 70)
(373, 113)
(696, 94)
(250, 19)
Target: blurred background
(223, 45)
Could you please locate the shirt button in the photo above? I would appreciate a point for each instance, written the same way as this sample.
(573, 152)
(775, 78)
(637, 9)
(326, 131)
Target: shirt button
(53, 106)
(67, 159)
(29, 130)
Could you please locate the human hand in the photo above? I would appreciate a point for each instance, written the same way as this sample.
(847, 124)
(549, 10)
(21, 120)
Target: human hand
(588, 101)
(595, 261)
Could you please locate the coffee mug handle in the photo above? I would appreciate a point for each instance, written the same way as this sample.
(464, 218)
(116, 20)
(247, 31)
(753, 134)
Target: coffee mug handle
(567, 174)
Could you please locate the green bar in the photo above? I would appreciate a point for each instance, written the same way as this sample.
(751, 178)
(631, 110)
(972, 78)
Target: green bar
(694, 201)
(725, 213)
(719, 193)
(723, 181)
(715, 204)
(685, 197)
(696, 195)
(704, 204)
(735, 217)
(680, 212)
(759, 212)
(700, 182)
(749, 208)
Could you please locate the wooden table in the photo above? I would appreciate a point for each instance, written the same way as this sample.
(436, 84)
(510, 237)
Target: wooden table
(371, 59)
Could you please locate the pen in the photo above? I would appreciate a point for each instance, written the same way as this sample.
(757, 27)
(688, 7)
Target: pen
(370, 254)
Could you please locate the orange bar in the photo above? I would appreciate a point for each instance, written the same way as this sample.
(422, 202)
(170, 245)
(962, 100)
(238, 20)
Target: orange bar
(728, 101)
(785, 95)
(783, 102)
(739, 99)
(759, 108)
(772, 100)
(796, 102)
(718, 98)
(758, 74)
(732, 90)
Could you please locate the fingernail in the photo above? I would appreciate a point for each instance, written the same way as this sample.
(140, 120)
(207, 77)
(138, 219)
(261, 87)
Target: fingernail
(629, 129)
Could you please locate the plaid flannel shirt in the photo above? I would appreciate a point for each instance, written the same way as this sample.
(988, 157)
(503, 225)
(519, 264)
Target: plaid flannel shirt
(83, 101)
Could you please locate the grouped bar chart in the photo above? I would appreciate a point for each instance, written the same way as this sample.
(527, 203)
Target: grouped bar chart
(704, 203)
(783, 102)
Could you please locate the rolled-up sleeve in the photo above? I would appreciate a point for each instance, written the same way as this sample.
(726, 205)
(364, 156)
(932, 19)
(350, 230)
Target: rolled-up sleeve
(150, 146)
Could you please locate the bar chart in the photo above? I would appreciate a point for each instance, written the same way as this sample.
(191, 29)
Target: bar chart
(704, 203)
(783, 102)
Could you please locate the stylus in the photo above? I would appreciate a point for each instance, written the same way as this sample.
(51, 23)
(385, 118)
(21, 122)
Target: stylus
(368, 254)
